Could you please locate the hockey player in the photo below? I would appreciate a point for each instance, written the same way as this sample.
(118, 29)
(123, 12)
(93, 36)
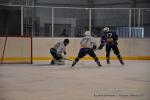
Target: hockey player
(57, 52)
(110, 40)
(88, 46)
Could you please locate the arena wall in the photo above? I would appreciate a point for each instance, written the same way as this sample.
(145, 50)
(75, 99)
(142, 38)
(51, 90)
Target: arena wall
(138, 49)
(130, 48)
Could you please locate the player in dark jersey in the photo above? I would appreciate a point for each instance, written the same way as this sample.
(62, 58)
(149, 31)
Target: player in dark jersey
(110, 40)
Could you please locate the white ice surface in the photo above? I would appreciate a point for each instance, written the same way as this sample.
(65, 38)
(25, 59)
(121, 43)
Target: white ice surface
(86, 81)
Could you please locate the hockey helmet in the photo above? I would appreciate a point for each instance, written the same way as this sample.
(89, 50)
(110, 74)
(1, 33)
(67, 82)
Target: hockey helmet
(106, 29)
(66, 41)
(87, 33)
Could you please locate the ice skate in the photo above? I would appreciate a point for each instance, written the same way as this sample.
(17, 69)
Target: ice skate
(108, 62)
(98, 63)
(122, 63)
(73, 64)
(52, 62)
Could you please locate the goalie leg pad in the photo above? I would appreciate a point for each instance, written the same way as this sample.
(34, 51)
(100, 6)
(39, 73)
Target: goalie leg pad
(59, 62)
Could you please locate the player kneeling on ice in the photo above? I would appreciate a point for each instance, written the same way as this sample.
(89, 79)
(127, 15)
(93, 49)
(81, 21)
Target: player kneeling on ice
(88, 45)
(110, 40)
(58, 52)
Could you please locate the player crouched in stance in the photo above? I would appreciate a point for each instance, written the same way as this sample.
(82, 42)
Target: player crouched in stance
(88, 45)
(110, 39)
(57, 52)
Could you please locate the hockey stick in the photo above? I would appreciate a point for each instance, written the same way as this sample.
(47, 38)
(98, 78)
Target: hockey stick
(68, 59)
(97, 49)
(73, 60)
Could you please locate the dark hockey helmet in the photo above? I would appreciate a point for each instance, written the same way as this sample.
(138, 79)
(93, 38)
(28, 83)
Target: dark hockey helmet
(66, 41)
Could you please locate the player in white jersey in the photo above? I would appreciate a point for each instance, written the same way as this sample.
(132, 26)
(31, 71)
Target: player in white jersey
(57, 52)
(88, 45)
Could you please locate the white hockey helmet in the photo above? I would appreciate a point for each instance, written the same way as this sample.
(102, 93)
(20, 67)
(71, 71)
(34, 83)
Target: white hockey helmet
(87, 33)
(106, 29)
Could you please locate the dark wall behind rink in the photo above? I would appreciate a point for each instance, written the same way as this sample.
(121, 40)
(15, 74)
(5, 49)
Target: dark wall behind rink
(10, 21)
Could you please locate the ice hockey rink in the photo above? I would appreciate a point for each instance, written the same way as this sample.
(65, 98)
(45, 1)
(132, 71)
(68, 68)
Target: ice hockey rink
(85, 81)
(30, 30)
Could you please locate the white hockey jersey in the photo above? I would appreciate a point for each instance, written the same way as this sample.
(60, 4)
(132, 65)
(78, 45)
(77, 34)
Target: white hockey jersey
(59, 47)
(88, 42)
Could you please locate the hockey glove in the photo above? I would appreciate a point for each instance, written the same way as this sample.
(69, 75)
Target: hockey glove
(65, 53)
(94, 47)
(100, 47)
